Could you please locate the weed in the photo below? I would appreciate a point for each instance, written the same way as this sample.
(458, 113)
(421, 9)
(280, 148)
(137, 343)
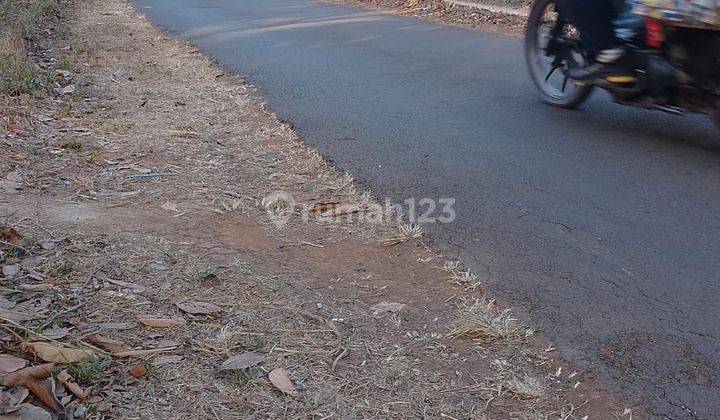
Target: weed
(64, 268)
(241, 378)
(401, 233)
(83, 373)
(73, 145)
(16, 75)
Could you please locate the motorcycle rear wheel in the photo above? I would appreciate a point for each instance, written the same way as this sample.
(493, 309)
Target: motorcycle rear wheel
(537, 35)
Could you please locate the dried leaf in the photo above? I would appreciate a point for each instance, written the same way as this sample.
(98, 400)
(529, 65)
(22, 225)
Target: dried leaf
(341, 210)
(11, 270)
(16, 316)
(107, 344)
(280, 379)
(58, 354)
(29, 374)
(44, 287)
(10, 235)
(167, 360)
(66, 379)
(10, 401)
(28, 412)
(45, 392)
(66, 90)
(11, 183)
(110, 326)
(56, 333)
(153, 321)
(384, 307)
(10, 363)
(323, 207)
(145, 352)
(169, 206)
(242, 361)
(135, 288)
(210, 280)
(198, 308)
(138, 370)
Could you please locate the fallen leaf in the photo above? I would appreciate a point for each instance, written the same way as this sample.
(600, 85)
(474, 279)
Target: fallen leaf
(58, 354)
(56, 333)
(167, 360)
(28, 412)
(210, 280)
(242, 361)
(45, 392)
(135, 288)
(152, 321)
(280, 379)
(10, 401)
(94, 399)
(33, 306)
(16, 316)
(10, 184)
(43, 287)
(29, 374)
(323, 207)
(384, 307)
(66, 379)
(138, 370)
(10, 363)
(341, 210)
(104, 343)
(169, 206)
(66, 90)
(11, 270)
(145, 352)
(198, 308)
(110, 326)
(9, 234)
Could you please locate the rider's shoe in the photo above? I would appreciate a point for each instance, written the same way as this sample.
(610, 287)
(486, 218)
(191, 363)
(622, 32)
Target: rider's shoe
(610, 65)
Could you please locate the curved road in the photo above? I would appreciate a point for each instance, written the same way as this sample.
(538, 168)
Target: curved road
(602, 224)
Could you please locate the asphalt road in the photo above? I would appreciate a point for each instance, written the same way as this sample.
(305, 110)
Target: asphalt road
(601, 224)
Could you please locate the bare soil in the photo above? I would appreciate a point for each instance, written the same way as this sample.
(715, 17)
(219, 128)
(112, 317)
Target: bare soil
(142, 184)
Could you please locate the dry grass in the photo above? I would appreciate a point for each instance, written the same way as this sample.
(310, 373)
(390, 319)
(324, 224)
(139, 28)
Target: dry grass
(526, 387)
(21, 25)
(481, 321)
(400, 233)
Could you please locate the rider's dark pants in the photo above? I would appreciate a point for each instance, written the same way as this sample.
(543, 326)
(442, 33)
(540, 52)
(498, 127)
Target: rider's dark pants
(594, 20)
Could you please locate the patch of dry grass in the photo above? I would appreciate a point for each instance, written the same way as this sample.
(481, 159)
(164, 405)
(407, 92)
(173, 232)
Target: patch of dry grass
(481, 321)
(22, 23)
(400, 233)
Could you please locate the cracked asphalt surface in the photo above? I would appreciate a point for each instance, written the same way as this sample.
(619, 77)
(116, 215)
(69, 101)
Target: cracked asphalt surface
(601, 225)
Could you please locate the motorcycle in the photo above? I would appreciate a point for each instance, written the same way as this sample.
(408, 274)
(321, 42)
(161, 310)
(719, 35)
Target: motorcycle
(676, 65)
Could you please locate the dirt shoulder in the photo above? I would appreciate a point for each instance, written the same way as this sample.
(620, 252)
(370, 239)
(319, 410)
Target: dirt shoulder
(143, 253)
(456, 14)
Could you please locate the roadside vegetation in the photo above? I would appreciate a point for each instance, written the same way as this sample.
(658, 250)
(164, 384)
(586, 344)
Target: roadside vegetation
(23, 24)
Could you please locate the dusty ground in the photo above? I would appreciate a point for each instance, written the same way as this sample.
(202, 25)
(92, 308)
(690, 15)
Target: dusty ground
(141, 185)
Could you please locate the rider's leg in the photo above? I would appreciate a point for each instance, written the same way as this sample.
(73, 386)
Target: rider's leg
(594, 19)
